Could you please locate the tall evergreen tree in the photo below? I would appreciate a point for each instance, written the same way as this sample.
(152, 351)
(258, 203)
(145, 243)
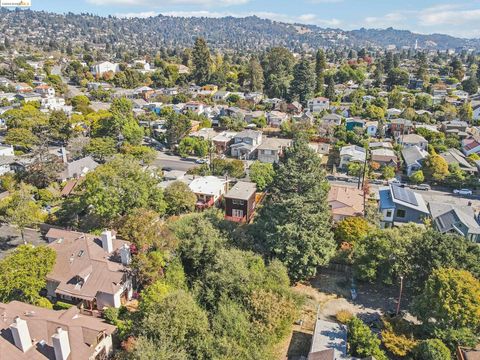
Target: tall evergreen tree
(202, 62)
(303, 82)
(277, 67)
(330, 91)
(320, 66)
(255, 74)
(294, 224)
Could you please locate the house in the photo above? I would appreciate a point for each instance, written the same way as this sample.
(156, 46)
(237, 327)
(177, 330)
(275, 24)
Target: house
(318, 104)
(245, 144)
(100, 68)
(35, 333)
(240, 202)
(392, 112)
(195, 107)
(23, 88)
(345, 202)
(400, 127)
(371, 128)
(294, 107)
(223, 140)
(454, 156)
(89, 270)
(6, 150)
(332, 119)
(271, 149)
(384, 157)
(329, 341)
(45, 90)
(470, 146)
(456, 127)
(413, 158)
(468, 354)
(205, 133)
(352, 123)
(410, 140)
(27, 97)
(351, 153)
(460, 220)
(401, 205)
(220, 95)
(276, 118)
(208, 189)
(380, 145)
(78, 168)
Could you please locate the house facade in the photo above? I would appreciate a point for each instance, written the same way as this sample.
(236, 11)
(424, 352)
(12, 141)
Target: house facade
(413, 158)
(401, 205)
(460, 220)
(272, 149)
(351, 153)
(240, 202)
(318, 104)
(245, 144)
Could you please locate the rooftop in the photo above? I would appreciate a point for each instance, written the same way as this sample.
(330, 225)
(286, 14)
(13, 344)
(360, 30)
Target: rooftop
(242, 190)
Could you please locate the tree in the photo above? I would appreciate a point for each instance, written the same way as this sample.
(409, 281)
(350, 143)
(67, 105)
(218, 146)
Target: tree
(450, 299)
(470, 85)
(23, 273)
(362, 342)
(118, 187)
(320, 66)
(21, 210)
(303, 83)
(277, 66)
(431, 349)
(255, 75)
(397, 76)
(330, 92)
(294, 224)
(352, 229)
(179, 198)
(355, 169)
(202, 61)
(23, 138)
(436, 167)
(388, 172)
(262, 174)
(417, 177)
(144, 348)
(101, 149)
(60, 126)
(145, 154)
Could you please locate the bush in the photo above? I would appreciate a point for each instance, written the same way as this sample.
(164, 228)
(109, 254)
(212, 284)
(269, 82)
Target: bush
(44, 302)
(432, 349)
(60, 305)
(344, 316)
(362, 342)
(398, 345)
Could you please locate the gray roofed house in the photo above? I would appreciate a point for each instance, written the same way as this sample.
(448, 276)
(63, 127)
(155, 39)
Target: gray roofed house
(455, 156)
(413, 158)
(351, 153)
(329, 341)
(460, 220)
(78, 168)
(245, 144)
(271, 149)
(242, 190)
(401, 205)
(409, 140)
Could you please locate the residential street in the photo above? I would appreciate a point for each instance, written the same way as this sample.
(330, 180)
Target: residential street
(174, 162)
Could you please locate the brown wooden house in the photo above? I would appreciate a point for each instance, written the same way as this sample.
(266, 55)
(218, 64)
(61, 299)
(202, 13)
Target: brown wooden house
(240, 202)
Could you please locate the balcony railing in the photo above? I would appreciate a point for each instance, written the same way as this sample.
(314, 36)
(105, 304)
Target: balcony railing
(236, 219)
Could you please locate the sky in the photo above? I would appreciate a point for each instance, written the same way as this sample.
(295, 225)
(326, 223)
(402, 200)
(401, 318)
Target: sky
(458, 18)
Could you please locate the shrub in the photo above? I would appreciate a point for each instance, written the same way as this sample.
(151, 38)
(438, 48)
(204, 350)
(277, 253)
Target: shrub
(60, 305)
(398, 345)
(432, 349)
(344, 316)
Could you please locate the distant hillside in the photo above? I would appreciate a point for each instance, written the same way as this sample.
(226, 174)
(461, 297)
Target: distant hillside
(249, 33)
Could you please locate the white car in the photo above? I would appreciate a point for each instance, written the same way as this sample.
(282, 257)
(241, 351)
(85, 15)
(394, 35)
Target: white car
(462, 191)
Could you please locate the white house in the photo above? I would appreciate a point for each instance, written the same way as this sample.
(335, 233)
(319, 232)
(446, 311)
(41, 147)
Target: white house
(318, 104)
(195, 107)
(208, 189)
(371, 128)
(103, 67)
(351, 153)
(413, 140)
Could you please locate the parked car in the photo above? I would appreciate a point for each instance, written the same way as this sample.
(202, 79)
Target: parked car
(425, 187)
(330, 177)
(166, 168)
(463, 192)
(202, 161)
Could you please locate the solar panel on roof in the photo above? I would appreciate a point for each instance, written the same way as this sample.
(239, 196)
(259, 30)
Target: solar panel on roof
(404, 195)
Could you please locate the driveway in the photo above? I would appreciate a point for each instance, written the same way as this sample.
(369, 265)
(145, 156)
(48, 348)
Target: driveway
(10, 238)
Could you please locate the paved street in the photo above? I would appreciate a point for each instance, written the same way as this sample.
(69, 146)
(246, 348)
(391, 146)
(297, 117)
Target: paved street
(174, 162)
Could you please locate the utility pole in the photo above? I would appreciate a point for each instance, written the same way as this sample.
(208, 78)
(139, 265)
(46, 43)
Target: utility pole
(400, 296)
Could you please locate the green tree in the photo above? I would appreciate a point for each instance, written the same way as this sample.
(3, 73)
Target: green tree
(431, 349)
(179, 198)
(396, 77)
(303, 83)
(23, 273)
(101, 149)
(436, 167)
(320, 66)
(388, 172)
(277, 66)
(262, 174)
(362, 342)
(202, 62)
(21, 210)
(352, 229)
(470, 85)
(417, 177)
(119, 186)
(255, 75)
(23, 138)
(294, 224)
(450, 299)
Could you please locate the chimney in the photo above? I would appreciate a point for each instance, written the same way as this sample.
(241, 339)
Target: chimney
(107, 241)
(125, 254)
(21, 335)
(61, 344)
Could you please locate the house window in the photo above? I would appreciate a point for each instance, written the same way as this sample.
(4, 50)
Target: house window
(389, 214)
(237, 202)
(237, 213)
(401, 213)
